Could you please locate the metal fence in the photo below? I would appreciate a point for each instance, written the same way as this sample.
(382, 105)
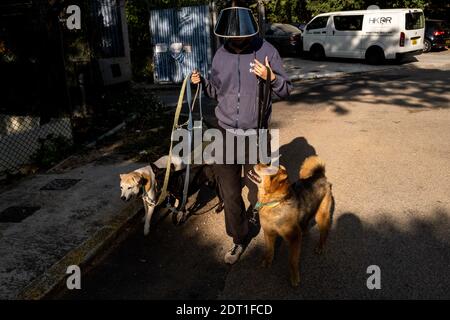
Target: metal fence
(34, 95)
(181, 42)
(107, 22)
(48, 73)
(22, 136)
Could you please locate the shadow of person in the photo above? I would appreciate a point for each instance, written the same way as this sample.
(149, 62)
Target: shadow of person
(348, 226)
(293, 154)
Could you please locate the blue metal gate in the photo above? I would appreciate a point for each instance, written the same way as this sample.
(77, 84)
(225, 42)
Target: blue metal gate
(181, 42)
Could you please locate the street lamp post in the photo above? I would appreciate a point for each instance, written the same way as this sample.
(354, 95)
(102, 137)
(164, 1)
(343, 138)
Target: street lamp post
(261, 18)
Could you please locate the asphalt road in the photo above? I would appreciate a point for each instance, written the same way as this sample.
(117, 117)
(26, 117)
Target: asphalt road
(385, 138)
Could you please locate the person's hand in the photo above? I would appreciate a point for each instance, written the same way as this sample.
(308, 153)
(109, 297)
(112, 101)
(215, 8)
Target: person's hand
(196, 77)
(261, 71)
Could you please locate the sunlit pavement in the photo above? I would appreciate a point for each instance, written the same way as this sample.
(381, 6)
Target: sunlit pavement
(307, 69)
(385, 139)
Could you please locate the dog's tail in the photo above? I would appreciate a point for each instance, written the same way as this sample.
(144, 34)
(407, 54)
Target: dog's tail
(311, 166)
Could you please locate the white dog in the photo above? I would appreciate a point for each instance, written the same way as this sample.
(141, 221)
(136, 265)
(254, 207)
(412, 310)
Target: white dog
(142, 182)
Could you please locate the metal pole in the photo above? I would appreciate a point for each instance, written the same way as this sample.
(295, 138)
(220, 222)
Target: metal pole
(261, 18)
(213, 10)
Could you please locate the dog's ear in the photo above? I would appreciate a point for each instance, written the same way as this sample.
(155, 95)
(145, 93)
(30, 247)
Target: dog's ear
(277, 180)
(143, 181)
(136, 178)
(121, 175)
(154, 167)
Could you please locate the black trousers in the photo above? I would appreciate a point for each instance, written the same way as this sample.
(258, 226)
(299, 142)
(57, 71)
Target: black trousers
(230, 181)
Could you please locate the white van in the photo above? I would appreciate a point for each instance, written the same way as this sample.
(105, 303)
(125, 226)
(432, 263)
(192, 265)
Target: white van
(374, 35)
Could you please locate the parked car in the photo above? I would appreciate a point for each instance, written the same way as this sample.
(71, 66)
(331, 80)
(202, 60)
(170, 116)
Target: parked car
(375, 35)
(437, 35)
(285, 37)
(301, 26)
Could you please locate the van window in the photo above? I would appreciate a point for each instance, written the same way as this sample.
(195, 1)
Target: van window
(348, 23)
(414, 20)
(318, 23)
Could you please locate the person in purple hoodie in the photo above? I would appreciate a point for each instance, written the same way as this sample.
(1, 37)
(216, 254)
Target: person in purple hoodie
(237, 68)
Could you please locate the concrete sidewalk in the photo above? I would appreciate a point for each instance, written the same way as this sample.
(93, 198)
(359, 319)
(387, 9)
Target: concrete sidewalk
(63, 227)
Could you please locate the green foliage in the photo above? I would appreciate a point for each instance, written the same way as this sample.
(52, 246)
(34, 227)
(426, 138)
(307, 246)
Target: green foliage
(285, 11)
(139, 36)
(317, 6)
(304, 10)
(51, 150)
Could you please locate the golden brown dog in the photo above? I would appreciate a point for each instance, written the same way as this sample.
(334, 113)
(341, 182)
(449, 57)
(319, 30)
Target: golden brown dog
(285, 209)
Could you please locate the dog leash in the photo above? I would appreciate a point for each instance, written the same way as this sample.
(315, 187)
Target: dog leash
(185, 88)
(175, 126)
(189, 139)
(264, 92)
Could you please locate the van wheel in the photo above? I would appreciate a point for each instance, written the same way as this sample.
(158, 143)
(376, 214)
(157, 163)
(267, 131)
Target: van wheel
(317, 53)
(375, 55)
(426, 46)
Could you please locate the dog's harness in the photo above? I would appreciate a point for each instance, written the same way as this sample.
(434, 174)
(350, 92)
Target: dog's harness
(147, 199)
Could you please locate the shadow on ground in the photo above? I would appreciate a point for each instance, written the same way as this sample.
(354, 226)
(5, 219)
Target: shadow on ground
(184, 263)
(423, 88)
(293, 154)
(414, 260)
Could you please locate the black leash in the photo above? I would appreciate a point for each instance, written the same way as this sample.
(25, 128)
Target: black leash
(264, 92)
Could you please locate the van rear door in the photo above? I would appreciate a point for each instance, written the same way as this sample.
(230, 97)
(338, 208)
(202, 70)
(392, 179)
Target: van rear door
(414, 30)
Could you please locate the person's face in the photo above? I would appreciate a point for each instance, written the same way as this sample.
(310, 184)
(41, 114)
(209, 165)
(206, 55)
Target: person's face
(240, 43)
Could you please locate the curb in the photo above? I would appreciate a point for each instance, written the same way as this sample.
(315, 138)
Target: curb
(53, 280)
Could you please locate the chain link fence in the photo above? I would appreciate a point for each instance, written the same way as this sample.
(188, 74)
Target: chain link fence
(22, 137)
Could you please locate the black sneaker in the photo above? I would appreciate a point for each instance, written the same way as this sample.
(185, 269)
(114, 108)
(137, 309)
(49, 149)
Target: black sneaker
(233, 255)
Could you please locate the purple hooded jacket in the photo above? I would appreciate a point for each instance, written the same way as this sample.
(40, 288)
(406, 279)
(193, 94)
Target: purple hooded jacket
(236, 88)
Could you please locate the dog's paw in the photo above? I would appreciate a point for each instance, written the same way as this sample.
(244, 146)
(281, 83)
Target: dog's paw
(179, 217)
(295, 279)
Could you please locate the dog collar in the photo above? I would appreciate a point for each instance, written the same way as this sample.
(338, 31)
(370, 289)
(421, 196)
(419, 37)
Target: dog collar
(269, 204)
